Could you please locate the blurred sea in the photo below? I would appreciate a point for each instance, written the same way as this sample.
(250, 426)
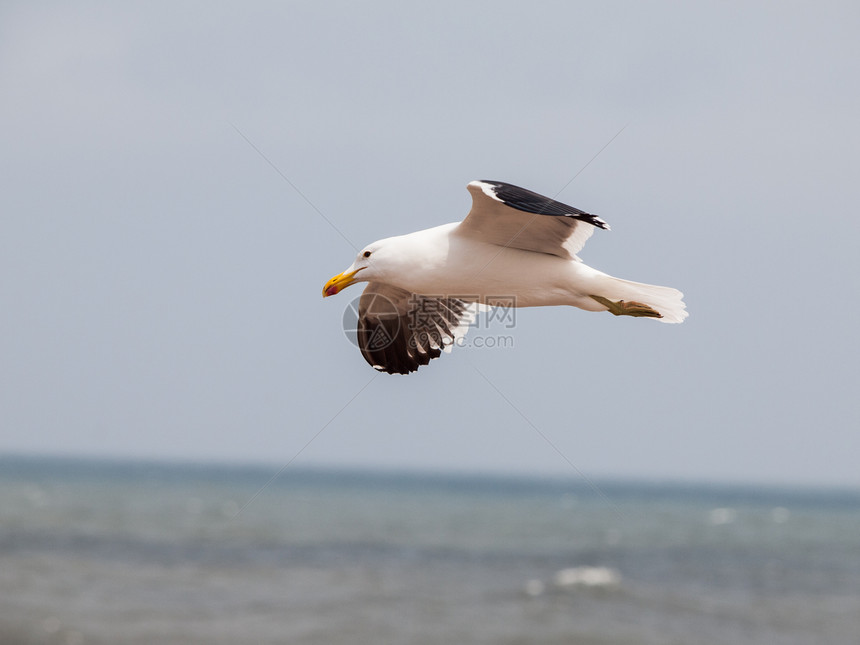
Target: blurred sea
(113, 552)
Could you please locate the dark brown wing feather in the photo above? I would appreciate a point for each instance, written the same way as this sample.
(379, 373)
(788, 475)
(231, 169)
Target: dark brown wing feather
(399, 331)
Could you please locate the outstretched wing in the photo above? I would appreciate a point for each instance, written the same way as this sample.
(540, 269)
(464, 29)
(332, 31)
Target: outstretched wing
(514, 217)
(399, 331)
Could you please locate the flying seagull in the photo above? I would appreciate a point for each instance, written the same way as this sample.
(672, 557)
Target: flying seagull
(515, 248)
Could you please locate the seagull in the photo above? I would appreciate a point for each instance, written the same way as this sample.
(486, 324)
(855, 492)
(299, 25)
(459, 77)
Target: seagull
(515, 248)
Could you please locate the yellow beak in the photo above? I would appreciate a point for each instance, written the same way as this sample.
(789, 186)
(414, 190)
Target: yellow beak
(340, 282)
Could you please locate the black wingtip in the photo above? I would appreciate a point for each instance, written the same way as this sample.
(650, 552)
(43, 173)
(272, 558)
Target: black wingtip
(529, 201)
(599, 223)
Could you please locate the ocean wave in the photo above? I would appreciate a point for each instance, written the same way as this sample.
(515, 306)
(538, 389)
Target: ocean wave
(572, 578)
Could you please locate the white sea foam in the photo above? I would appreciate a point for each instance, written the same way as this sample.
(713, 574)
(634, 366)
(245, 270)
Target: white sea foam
(589, 577)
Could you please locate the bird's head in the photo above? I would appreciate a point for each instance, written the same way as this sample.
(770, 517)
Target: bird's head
(364, 269)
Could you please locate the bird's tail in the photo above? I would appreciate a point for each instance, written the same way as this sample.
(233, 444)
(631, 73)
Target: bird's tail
(626, 298)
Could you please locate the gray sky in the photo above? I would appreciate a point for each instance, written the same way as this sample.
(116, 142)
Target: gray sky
(160, 282)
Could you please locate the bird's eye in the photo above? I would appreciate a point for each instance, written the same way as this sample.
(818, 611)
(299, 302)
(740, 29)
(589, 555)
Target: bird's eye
(367, 254)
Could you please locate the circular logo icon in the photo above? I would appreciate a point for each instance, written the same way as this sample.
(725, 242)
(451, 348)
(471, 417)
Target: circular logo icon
(381, 327)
